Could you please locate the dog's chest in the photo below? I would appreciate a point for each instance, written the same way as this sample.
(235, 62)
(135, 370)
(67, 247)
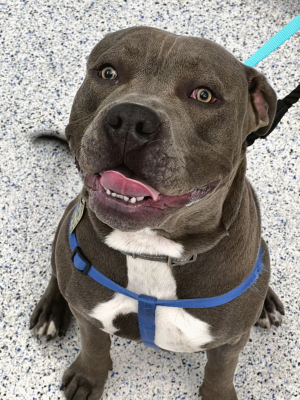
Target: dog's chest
(175, 329)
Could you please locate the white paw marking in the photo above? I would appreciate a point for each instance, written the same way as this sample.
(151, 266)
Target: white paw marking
(175, 329)
(51, 329)
(41, 331)
(276, 317)
(264, 323)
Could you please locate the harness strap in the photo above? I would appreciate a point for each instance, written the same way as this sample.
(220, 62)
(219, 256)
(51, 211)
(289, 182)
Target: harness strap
(146, 317)
(147, 304)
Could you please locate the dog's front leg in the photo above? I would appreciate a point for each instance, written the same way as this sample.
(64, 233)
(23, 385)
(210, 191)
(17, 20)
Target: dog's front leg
(52, 315)
(219, 371)
(86, 376)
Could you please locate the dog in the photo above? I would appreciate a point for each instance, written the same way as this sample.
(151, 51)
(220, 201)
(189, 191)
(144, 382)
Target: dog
(158, 129)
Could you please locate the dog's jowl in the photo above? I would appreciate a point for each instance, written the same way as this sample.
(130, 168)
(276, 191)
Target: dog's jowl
(158, 129)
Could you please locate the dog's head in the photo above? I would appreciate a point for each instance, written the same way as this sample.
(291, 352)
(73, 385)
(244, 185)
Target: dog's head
(159, 124)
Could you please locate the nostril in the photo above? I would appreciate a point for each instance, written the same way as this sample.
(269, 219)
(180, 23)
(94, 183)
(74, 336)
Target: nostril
(115, 122)
(139, 128)
(147, 127)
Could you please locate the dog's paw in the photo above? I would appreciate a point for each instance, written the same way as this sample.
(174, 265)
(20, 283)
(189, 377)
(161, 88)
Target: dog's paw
(272, 312)
(51, 317)
(82, 382)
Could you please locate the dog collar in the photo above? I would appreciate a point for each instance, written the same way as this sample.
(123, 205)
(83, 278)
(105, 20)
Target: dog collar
(147, 304)
(172, 262)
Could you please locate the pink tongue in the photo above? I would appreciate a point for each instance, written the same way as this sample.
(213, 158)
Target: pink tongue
(118, 183)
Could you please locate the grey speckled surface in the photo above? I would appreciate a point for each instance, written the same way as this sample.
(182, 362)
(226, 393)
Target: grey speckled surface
(44, 49)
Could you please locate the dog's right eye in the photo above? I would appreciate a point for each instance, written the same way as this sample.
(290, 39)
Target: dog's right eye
(108, 73)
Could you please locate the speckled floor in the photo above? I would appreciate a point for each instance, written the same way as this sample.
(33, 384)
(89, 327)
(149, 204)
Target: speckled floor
(44, 49)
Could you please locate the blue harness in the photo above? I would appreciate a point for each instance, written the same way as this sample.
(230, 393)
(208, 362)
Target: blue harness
(147, 304)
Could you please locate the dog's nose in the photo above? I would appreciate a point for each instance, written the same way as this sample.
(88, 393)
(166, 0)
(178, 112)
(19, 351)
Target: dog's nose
(134, 120)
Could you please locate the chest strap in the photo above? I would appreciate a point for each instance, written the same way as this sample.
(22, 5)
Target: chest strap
(147, 304)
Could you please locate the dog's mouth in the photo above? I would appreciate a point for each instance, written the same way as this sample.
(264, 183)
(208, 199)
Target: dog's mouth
(120, 189)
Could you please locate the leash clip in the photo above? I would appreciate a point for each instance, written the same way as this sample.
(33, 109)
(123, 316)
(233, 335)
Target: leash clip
(78, 251)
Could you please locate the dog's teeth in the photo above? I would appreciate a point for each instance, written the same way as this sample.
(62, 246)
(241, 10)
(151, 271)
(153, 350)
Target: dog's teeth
(125, 198)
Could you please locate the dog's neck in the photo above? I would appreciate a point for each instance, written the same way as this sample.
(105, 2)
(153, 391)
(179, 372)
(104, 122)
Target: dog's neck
(200, 227)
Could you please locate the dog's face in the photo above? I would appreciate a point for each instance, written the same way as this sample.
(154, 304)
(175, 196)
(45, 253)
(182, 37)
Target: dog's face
(159, 124)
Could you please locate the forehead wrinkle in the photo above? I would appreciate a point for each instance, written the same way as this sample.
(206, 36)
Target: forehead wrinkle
(183, 61)
(150, 42)
(156, 56)
(166, 55)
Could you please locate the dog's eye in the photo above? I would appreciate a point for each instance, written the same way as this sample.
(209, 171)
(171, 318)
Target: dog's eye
(204, 95)
(108, 73)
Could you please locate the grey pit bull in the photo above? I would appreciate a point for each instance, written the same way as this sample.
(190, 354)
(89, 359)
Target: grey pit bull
(159, 129)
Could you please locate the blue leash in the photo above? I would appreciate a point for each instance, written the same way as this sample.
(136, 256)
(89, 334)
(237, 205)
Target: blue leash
(283, 105)
(277, 40)
(147, 304)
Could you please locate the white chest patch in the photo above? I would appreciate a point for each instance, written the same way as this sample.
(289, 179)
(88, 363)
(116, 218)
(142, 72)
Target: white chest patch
(175, 329)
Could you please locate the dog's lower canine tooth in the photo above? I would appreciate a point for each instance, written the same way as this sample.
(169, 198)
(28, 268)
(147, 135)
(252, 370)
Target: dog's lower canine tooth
(140, 198)
(108, 191)
(133, 200)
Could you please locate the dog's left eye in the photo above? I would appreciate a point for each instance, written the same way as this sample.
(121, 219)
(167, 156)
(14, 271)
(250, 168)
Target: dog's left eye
(108, 73)
(204, 95)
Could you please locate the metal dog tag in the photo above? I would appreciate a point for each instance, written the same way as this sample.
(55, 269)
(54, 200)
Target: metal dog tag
(77, 215)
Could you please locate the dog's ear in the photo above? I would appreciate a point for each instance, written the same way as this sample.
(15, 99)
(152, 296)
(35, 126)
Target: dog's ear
(263, 101)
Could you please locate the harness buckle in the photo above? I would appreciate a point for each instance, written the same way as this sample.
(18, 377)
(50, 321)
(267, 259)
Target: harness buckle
(81, 255)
